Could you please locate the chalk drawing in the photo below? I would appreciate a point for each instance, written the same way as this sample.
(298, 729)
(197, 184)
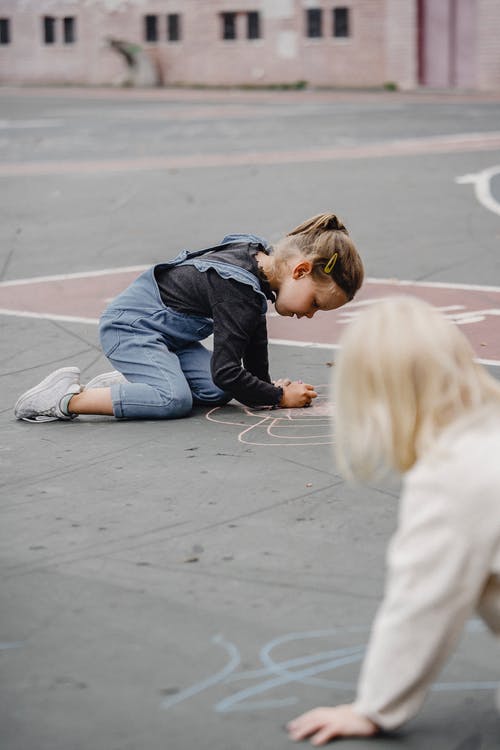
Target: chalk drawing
(300, 670)
(482, 187)
(268, 426)
(458, 314)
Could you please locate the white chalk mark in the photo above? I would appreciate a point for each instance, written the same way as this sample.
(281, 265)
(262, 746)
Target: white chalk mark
(302, 669)
(283, 667)
(472, 316)
(260, 705)
(241, 436)
(234, 660)
(456, 313)
(220, 419)
(308, 426)
(227, 703)
(482, 187)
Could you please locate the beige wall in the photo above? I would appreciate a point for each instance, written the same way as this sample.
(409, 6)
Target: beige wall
(488, 45)
(382, 46)
(401, 42)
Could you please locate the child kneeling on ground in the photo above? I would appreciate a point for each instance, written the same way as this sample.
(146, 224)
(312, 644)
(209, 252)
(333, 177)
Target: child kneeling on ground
(152, 332)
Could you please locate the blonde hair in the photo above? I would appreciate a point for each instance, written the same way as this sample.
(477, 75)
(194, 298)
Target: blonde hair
(325, 241)
(404, 373)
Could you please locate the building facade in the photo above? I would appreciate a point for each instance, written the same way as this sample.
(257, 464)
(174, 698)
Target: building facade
(335, 43)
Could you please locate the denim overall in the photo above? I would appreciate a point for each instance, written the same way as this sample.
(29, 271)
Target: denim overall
(158, 349)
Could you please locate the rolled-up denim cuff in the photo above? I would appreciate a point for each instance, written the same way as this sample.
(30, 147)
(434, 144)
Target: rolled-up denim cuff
(116, 399)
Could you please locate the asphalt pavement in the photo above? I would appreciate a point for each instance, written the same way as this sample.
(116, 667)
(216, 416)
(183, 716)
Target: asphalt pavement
(194, 584)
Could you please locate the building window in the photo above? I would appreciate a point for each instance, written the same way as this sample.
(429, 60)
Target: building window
(228, 25)
(341, 22)
(173, 27)
(49, 29)
(314, 22)
(69, 30)
(4, 30)
(253, 25)
(151, 28)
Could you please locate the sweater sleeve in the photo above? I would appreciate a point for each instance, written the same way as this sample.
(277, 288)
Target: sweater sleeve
(436, 572)
(256, 357)
(240, 335)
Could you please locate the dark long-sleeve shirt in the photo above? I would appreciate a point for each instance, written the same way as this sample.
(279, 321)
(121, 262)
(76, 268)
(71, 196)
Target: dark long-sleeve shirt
(240, 362)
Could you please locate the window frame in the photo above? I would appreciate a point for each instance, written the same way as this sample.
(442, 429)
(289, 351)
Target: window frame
(49, 30)
(5, 31)
(174, 28)
(69, 29)
(150, 28)
(345, 24)
(314, 23)
(225, 17)
(254, 26)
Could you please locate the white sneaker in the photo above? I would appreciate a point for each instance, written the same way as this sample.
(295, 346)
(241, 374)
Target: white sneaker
(105, 380)
(42, 402)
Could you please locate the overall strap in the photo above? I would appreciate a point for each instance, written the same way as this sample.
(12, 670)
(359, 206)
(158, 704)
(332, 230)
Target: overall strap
(230, 271)
(225, 270)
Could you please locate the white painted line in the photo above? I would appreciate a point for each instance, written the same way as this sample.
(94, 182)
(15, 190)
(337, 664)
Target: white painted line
(481, 181)
(436, 284)
(314, 345)
(277, 342)
(49, 316)
(489, 362)
(77, 275)
(311, 344)
(24, 124)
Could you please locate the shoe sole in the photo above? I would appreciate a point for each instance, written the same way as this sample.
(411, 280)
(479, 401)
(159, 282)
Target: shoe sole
(45, 383)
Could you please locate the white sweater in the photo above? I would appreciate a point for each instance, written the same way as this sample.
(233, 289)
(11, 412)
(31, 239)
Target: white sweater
(443, 564)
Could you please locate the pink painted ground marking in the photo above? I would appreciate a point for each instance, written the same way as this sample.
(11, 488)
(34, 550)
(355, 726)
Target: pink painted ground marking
(461, 143)
(83, 297)
(475, 308)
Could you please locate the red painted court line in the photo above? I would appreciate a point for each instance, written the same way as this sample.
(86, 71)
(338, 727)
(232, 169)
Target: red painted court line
(83, 297)
(465, 142)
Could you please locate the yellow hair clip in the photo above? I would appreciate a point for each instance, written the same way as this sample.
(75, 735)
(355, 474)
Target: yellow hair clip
(331, 263)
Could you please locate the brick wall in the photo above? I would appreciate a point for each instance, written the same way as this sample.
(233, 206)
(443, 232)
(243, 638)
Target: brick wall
(488, 45)
(381, 47)
(401, 43)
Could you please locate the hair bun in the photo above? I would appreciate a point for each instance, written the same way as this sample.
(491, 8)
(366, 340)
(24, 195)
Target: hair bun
(320, 223)
(333, 222)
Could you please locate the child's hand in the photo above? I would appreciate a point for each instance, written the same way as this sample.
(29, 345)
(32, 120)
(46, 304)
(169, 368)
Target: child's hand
(297, 394)
(323, 724)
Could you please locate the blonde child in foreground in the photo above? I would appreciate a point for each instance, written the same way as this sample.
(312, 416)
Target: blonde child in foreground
(410, 396)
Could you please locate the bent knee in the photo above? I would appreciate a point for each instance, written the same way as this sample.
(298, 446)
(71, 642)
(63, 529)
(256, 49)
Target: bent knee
(176, 406)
